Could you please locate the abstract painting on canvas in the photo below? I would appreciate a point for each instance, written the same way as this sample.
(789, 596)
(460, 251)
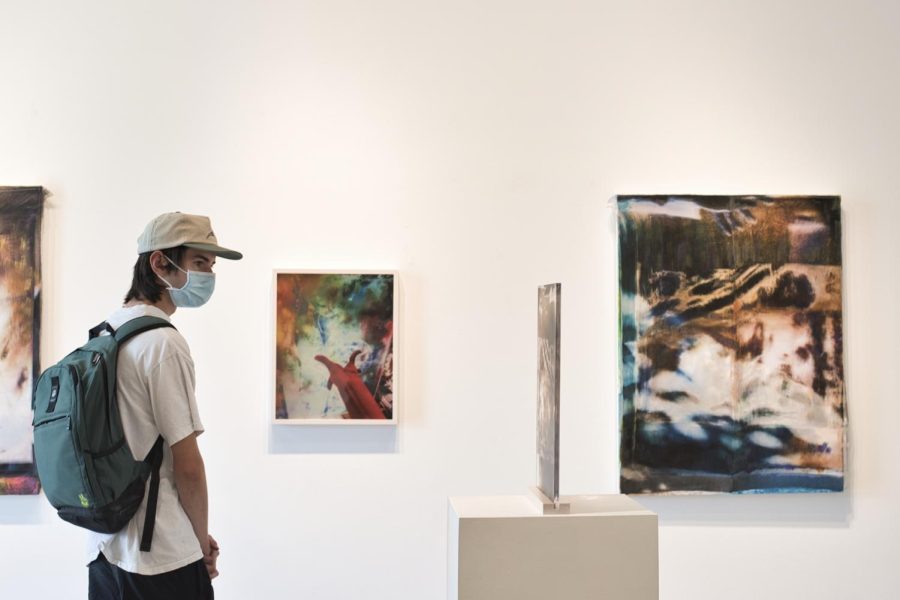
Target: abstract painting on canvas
(731, 353)
(20, 285)
(334, 347)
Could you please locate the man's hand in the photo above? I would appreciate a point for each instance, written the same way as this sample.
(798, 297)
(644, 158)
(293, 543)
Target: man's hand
(210, 559)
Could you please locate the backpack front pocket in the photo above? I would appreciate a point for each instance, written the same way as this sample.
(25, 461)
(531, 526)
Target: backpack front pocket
(59, 464)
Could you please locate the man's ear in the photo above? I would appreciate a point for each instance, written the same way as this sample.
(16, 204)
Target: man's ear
(158, 262)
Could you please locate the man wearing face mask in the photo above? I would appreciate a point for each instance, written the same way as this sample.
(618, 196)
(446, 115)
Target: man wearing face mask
(174, 268)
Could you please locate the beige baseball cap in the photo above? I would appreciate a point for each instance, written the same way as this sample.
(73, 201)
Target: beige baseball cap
(171, 230)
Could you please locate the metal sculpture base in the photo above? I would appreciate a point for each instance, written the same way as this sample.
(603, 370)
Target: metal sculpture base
(545, 505)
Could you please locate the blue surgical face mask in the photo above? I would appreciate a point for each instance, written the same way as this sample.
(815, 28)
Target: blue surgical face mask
(195, 292)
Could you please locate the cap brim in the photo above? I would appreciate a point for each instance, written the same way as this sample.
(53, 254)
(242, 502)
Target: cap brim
(217, 250)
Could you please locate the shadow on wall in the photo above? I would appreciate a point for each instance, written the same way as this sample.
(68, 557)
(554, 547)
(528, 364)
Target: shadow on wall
(23, 510)
(332, 439)
(753, 510)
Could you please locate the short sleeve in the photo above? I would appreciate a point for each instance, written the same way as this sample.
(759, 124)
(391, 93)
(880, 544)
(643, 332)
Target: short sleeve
(171, 386)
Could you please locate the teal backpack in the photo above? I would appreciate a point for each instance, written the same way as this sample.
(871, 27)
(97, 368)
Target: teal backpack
(86, 469)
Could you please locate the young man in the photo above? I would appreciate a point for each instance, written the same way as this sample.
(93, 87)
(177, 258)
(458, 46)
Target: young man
(176, 255)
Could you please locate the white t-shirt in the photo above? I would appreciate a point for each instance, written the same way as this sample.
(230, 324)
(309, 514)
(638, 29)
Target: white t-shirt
(156, 397)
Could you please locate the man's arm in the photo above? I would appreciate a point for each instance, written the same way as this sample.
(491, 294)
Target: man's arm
(190, 480)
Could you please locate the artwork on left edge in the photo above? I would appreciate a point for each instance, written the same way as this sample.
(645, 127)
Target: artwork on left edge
(549, 312)
(20, 287)
(731, 344)
(335, 339)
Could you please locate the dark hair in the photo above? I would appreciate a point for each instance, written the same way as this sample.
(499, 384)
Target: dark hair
(145, 284)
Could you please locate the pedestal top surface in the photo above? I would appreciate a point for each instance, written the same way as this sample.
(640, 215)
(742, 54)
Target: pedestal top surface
(480, 507)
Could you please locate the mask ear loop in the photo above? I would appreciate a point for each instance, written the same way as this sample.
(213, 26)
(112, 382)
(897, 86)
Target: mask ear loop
(171, 262)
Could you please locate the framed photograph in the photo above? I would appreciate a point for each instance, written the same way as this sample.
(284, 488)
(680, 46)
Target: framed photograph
(549, 312)
(731, 344)
(20, 326)
(335, 342)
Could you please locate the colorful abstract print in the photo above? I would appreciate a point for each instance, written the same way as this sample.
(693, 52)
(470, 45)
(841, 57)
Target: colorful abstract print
(731, 344)
(20, 284)
(334, 346)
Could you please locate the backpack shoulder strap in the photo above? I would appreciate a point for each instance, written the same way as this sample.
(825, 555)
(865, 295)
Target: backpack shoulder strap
(154, 459)
(102, 327)
(124, 333)
(138, 326)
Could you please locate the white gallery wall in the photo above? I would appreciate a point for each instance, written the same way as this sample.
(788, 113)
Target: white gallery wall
(473, 146)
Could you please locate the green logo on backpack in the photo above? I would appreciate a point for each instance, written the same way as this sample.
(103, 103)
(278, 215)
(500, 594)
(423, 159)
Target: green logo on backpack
(84, 501)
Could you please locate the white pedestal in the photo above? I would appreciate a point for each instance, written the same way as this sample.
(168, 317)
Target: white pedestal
(503, 548)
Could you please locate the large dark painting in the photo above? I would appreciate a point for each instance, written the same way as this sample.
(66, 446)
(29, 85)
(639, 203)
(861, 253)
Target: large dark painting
(731, 344)
(20, 285)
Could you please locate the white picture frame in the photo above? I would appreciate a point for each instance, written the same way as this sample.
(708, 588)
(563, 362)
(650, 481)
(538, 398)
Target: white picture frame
(337, 357)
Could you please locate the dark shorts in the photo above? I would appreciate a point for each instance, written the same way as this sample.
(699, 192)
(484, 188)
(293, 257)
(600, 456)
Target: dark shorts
(109, 582)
